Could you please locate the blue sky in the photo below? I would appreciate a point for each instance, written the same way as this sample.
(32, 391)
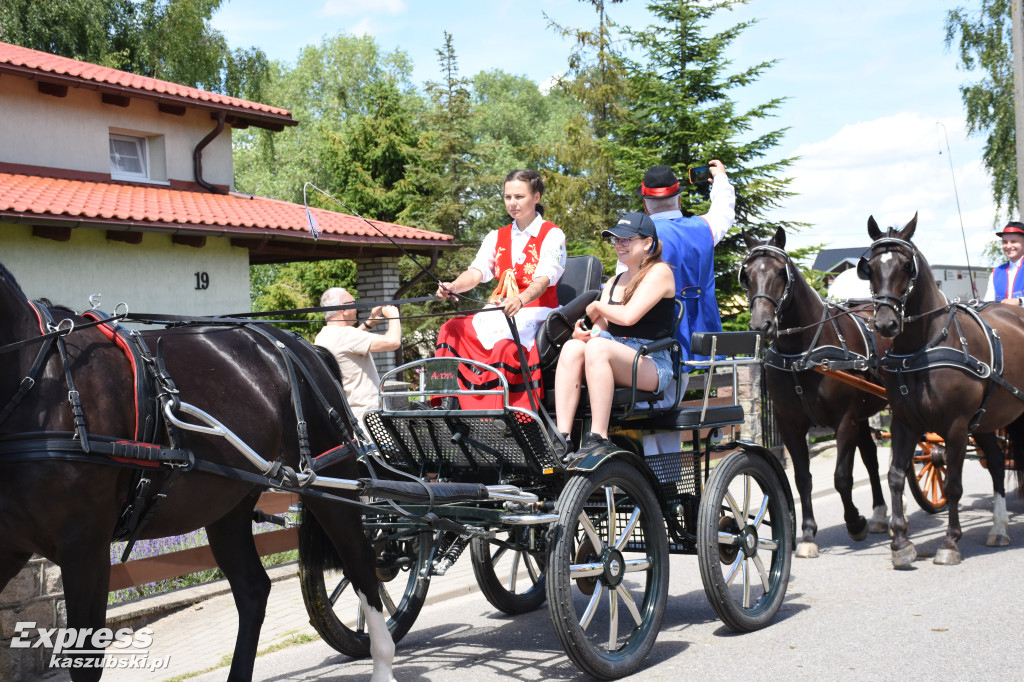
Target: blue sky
(868, 82)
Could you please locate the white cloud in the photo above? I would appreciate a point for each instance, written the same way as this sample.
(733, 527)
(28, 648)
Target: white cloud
(890, 168)
(363, 27)
(333, 8)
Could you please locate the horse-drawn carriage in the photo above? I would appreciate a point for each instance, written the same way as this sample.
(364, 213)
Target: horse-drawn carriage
(184, 427)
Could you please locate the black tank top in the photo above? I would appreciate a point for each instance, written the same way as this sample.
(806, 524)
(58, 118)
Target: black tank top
(655, 324)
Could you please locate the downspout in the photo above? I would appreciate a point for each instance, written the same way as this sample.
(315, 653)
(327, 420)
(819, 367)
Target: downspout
(197, 156)
(429, 269)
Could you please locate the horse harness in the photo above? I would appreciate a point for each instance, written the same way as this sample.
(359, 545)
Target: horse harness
(827, 357)
(154, 390)
(932, 355)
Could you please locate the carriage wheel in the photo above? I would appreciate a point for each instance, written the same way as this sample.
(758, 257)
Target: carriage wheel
(403, 555)
(926, 477)
(745, 539)
(607, 583)
(509, 572)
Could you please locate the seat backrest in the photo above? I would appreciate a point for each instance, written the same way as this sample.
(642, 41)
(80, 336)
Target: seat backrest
(582, 273)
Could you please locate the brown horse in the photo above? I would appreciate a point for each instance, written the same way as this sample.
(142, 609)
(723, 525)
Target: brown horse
(64, 503)
(803, 332)
(947, 372)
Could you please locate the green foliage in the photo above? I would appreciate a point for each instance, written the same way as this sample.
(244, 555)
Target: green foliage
(167, 39)
(299, 285)
(984, 40)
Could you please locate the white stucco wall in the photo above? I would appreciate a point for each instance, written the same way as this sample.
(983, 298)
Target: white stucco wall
(154, 276)
(73, 132)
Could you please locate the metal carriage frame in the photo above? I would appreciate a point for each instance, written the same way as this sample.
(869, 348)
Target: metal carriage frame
(595, 540)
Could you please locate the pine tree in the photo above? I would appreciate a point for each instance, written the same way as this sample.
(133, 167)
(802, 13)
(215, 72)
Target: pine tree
(682, 116)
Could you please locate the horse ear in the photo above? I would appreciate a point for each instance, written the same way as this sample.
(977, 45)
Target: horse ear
(751, 242)
(780, 238)
(908, 232)
(873, 230)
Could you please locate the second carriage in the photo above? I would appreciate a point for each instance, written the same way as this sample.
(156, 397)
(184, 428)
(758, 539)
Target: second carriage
(592, 533)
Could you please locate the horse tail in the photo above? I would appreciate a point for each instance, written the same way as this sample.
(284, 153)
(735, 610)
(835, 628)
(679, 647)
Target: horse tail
(1015, 450)
(316, 547)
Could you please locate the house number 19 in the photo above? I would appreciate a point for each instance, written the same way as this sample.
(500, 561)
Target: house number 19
(202, 280)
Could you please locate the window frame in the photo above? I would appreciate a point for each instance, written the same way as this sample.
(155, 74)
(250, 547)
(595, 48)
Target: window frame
(142, 145)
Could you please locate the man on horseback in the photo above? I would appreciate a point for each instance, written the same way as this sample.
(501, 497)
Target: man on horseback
(689, 243)
(351, 346)
(1005, 284)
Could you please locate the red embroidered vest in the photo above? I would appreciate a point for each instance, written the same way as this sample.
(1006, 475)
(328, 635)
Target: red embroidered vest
(523, 272)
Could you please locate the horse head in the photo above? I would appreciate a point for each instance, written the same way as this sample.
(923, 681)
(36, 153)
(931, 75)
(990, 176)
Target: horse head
(892, 266)
(766, 274)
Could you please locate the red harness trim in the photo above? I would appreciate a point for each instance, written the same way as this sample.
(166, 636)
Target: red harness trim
(119, 341)
(137, 462)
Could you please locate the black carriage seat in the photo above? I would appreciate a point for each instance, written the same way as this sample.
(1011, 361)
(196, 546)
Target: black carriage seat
(738, 348)
(579, 285)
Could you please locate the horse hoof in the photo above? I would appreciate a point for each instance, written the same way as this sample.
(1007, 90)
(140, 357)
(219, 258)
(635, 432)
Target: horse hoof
(947, 557)
(903, 558)
(997, 540)
(858, 535)
(876, 527)
(807, 550)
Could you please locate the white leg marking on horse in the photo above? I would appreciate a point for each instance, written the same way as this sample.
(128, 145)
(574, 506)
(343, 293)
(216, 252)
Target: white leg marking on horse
(998, 536)
(382, 647)
(879, 523)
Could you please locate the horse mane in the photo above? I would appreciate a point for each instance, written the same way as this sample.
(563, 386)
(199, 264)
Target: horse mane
(8, 277)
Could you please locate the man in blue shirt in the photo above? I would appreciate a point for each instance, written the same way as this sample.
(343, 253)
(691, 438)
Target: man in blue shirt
(689, 244)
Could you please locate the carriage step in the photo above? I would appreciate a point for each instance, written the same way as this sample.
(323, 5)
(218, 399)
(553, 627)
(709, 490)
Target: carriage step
(528, 519)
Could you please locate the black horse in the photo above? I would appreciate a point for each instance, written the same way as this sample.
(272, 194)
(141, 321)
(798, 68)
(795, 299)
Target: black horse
(948, 371)
(65, 504)
(804, 332)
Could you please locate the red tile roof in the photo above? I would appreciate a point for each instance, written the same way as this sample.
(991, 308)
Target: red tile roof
(32, 63)
(24, 197)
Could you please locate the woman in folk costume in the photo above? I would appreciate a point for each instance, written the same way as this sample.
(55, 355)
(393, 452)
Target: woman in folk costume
(527, 258)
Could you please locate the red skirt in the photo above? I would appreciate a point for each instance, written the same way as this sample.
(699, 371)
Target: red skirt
(458, 339)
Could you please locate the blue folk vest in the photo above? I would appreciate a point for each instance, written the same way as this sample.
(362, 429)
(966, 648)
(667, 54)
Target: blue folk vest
(689, 248)
(1000, 276)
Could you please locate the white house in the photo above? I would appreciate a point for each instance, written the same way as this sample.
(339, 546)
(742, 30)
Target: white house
(121, 185)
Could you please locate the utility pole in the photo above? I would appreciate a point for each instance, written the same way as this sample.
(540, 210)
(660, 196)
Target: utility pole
(1017, 17)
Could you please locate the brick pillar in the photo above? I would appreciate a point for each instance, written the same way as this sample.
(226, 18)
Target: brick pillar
(34, 595)
(377, 280)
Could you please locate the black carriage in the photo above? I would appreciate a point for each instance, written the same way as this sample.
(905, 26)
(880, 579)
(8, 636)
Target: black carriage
(589, 534)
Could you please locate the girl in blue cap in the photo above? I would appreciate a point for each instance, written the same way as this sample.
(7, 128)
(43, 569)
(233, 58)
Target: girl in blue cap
(637, 307)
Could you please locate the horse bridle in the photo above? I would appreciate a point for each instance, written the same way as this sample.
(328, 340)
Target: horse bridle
(781, 300)
(897, 303)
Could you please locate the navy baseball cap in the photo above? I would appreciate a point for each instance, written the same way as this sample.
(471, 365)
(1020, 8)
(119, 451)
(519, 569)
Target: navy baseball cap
(633, 224)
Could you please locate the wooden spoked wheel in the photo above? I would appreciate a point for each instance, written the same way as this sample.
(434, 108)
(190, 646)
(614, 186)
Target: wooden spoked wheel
(927, 475)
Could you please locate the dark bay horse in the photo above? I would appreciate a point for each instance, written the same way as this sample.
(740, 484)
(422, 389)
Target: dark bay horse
(66, 507)
(948, 371)
(803, 331)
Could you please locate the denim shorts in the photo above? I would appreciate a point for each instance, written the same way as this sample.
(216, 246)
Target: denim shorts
(662, 358)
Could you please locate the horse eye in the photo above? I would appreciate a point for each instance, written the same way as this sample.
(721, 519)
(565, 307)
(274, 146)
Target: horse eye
(744, 279)
(908, 267)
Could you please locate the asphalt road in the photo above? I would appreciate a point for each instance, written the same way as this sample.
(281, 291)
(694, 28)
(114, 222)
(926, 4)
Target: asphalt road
(847, 615)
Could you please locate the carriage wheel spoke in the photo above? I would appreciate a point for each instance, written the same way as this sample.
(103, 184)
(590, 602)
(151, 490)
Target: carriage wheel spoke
(338, 589)
(513, 572)
(386, 599)
(588, 613)
(588, 528)
(613, 618)
(634, 519)
(627, 601)
(761, 512)
(585, 570)
(531, 568)
(746, 583)
(635, 565)
(609, 497)
(496, 557)
(737, 513)
(759, 565)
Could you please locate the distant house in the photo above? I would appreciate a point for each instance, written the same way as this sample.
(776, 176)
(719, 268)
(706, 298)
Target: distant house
(954, 280)
(122, 185)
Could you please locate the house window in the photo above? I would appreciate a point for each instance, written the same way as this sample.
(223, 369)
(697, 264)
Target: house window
(128, 157)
